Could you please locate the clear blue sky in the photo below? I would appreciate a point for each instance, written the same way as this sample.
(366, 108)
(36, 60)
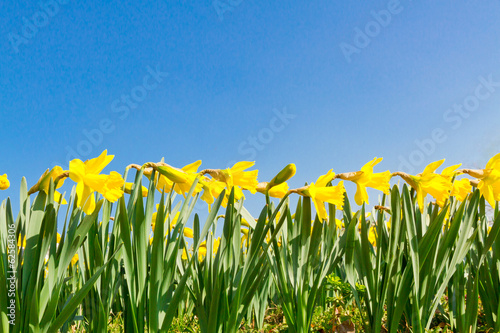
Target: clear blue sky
(350, 81)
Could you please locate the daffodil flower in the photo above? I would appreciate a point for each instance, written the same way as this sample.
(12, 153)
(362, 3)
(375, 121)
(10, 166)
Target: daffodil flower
(372, 236)
(129, 187)
(460, 188)
(43, 183)
(366, 178)
(212, 188)
(188, 232)
(74, 260)
(489, 180)
(88, 178)
(183, 178)
(4, 182)
(320, 193)
(429, 182)
(172, 223)
(277, 191)
(202, 250)
(244, 238)
(236, 177)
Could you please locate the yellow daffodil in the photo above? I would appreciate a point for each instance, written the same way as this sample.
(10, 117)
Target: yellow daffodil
(244, 237)
(277, 191)
(88, 178)
(129, 187)
(4, 182)
(330, 194)
(188, 232)
(429, 182)
(237, 177)
(184, 255)
(372, 236)
(74, 260)
(460, 188)
(183, 178)
(43, 184)
(489, 180)
(202, 250)
(212, 188)
(320, 193)
(172, 223)
(366, 178)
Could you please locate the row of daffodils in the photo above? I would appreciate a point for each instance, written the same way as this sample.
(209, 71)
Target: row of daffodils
(138, 252)
(87, 175)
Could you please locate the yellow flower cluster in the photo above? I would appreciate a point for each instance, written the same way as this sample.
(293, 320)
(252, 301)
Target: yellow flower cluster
(88, 179)
(212, 182)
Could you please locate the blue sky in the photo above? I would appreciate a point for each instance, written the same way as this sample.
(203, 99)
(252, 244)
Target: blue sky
(321, 84)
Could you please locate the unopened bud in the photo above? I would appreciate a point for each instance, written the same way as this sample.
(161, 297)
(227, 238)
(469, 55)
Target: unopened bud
(175, 175)
(285, 174)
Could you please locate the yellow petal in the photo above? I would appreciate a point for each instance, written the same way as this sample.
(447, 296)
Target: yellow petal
(240, 166)
(278, 191)
(432, 167)
(77, 170)
(193, 167)
(368, 167)
(96, 165)
(164, 184)
(113, 185)
(461, 188)
(494, 163)
(361, 195)
(57, 198)
(325, 179)
(449, 172)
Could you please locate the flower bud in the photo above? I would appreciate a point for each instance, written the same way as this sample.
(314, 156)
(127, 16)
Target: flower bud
(285, 174)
